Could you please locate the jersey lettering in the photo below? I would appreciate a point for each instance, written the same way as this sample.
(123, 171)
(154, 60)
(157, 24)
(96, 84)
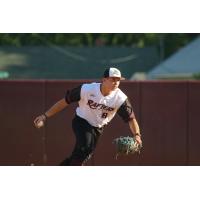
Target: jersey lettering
(94, 105)
(97, 109)
(104, 115)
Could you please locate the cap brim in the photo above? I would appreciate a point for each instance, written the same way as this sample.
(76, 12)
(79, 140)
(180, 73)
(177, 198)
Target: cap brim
(121, 78)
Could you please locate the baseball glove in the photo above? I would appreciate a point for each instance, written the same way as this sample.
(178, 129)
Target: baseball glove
(126, 145)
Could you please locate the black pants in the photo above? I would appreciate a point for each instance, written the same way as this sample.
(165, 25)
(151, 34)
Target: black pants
(86, 140)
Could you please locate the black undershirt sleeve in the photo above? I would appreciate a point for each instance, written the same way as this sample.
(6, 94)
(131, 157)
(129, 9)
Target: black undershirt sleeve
(126, 111)
(73, 95)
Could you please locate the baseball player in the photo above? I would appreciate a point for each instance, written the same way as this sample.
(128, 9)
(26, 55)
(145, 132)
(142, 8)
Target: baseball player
(98, 104)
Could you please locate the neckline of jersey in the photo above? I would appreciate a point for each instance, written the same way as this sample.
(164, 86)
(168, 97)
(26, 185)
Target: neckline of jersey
(99, 90)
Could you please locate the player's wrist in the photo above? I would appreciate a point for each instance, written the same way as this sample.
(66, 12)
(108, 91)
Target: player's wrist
(45, 116)
(137, 135)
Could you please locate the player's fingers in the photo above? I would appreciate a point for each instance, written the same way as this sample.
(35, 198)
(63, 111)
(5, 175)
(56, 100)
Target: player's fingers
(139, 142)
(37, 120)
(37, 124)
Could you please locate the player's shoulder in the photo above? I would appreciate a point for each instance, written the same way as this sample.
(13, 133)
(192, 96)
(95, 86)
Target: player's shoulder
(89, 86)
(121, 94)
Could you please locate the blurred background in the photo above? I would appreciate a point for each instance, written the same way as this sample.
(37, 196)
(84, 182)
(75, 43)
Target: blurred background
(37, 69)
(139, 56)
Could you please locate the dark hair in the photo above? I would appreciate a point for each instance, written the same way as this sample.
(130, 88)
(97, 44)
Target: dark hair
(106, 73)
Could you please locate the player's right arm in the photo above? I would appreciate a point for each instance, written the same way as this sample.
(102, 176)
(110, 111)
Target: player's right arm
(71, 96)
(57, 107)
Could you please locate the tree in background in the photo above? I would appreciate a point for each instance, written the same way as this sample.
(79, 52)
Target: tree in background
(167, 43)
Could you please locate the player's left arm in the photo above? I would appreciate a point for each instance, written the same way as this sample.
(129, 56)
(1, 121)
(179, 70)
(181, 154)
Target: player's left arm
(135, 129)
(126, 113)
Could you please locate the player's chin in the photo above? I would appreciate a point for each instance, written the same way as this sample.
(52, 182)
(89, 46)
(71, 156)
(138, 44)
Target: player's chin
(114, 87)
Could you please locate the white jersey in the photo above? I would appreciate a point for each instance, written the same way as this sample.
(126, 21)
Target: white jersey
(97, 109)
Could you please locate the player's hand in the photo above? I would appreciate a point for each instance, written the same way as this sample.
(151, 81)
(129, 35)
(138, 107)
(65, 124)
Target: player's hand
(138, 140)
(39, 121)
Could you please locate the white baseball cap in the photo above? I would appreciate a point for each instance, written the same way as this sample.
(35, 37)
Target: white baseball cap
(112, 72)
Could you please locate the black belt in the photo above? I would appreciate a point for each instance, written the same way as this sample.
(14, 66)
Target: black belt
(89, 123)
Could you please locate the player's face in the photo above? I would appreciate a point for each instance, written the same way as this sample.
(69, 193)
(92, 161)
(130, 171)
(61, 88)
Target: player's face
(112, 83)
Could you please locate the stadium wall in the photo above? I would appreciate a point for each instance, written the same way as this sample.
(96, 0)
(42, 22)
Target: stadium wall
(167, 112)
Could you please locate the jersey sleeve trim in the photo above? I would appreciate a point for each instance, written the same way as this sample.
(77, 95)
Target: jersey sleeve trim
(126, 111)
(73, 95)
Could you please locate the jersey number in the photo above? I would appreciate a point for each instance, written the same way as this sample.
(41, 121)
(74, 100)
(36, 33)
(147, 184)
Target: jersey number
(104, 115)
